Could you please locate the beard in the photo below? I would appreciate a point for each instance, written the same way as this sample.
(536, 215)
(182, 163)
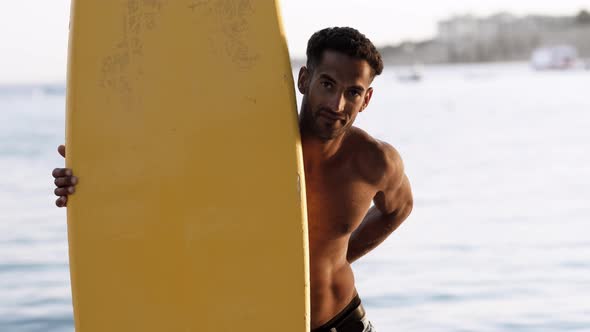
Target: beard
(323, 124)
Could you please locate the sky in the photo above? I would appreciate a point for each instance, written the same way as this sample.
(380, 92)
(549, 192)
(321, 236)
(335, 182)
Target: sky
(34, 33)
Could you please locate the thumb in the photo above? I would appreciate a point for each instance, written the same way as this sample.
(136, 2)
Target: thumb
(62, 150)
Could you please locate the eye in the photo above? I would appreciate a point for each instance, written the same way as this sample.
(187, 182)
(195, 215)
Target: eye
(326, 84)
(354, 93)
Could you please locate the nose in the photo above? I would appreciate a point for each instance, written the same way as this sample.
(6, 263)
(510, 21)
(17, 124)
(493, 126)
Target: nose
(337, 102)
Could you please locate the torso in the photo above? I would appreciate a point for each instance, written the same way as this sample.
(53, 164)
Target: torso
(339, 193)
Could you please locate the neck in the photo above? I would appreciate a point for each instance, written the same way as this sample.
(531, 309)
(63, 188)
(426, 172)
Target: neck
(316, 150)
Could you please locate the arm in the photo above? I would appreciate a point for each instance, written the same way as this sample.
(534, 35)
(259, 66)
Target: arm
(393, 204)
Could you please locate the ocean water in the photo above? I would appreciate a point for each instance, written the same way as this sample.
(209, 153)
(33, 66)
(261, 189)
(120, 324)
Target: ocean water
(498, 157)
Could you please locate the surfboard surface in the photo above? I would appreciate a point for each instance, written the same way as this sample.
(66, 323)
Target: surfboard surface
(182, 128)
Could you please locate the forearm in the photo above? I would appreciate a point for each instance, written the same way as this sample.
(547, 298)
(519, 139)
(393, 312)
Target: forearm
(374, 229)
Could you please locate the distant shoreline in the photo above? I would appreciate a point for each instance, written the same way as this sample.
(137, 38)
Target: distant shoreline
(497, 38)
(53, 87)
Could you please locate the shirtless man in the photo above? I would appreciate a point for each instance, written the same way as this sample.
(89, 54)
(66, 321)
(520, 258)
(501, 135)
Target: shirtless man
(345, 170)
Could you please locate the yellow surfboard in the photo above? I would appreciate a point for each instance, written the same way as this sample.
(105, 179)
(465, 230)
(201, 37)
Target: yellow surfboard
(182, 128)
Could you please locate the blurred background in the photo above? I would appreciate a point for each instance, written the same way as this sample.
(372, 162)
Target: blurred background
(488, 105)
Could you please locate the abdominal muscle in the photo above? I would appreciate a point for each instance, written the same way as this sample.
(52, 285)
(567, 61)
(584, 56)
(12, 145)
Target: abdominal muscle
(332, 281)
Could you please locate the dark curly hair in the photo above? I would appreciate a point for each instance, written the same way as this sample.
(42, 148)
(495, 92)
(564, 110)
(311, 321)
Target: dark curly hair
(344, 40)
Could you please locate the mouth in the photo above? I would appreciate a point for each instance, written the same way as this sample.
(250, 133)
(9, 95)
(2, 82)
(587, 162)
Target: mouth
(331, 115)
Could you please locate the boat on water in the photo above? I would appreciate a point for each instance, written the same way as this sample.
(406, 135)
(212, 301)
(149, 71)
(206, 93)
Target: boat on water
(409, 74)
(557, 57)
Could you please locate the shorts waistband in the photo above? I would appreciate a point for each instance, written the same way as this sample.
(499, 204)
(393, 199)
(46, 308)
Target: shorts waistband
(353, 312)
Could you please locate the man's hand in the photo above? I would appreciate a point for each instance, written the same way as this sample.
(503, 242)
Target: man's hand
(65, 181)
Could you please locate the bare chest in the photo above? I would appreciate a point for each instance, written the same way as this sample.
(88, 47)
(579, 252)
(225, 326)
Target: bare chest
(337, 201)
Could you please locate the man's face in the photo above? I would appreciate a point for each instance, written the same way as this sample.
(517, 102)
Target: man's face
(335, 91)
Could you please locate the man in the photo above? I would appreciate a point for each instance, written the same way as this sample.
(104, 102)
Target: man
(345, 170)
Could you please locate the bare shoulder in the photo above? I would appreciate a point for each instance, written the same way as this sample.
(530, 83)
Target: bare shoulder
(378, 161)
(381, 165)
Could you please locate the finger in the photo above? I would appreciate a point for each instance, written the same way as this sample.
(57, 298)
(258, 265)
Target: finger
(64, 191)
(62, 150)
(61, 172)
(66, 181)
(62, 201)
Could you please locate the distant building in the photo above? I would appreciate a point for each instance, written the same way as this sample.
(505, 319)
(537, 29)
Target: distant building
(500, 37)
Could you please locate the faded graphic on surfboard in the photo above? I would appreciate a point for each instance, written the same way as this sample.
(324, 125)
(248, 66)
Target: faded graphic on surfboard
(229, 34)
(123, 64)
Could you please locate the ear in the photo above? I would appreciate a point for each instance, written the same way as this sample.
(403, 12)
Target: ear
(303, 80)
(368, 96)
